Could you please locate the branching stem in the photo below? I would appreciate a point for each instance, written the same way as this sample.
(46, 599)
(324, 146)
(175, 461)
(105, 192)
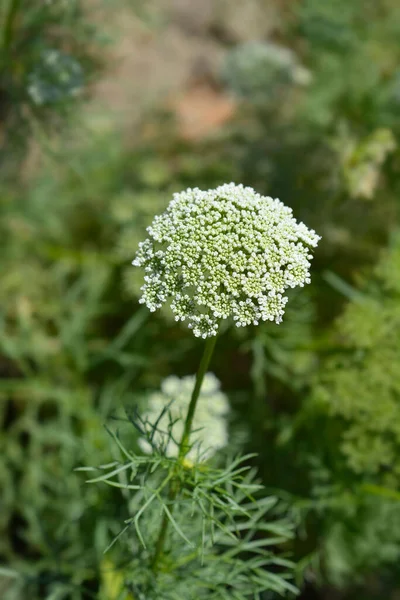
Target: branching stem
(184, 446)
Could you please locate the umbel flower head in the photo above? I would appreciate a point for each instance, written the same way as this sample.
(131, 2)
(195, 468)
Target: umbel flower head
(228, 252)
(209, 431)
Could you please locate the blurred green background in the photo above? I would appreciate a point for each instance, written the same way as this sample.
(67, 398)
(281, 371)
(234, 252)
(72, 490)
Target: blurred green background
(106, 109)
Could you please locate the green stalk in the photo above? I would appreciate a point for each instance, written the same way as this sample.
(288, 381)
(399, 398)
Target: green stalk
(9, 24)
(184, 445)
(7, 32)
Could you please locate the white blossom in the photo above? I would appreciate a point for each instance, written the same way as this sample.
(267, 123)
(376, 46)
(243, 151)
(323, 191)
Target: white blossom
(227, 252)
(209, 429)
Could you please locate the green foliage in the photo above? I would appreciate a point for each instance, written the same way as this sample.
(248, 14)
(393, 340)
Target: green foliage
(224, 534)
(46, 60)
(354, 53)
(363, 162)
(360, 382)
(55, 341)
(363, 541)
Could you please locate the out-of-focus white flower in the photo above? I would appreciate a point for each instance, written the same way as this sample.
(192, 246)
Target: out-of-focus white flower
(55, 77)
(228, 252)
(209, 430)
(263, 72)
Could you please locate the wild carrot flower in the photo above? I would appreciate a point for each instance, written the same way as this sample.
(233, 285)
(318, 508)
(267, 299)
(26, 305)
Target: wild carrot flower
(263, 72)
(209, 431)
(227, 252)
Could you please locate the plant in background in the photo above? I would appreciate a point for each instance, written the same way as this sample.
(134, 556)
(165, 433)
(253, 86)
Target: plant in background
(365, 539)
(263, 73)
(46, 61)
(348, 438)
(363, 161)
(360, 385)
(222, 253)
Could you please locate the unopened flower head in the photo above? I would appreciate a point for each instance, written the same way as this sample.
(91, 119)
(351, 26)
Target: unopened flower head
(227, 252)
(209, 430)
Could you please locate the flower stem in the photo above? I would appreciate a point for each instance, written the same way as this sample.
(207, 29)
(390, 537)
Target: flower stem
(184, 446)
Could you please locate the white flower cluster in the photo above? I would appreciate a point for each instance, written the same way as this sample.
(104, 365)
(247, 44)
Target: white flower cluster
(228, 252)
(209, 430)
(263, 72)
